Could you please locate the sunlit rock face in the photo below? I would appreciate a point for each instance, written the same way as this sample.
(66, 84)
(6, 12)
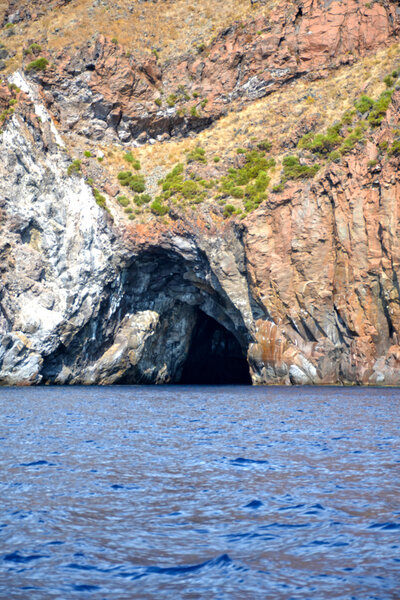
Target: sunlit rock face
(304, 290)
(102, 93)
(80, 303)
(56, 248)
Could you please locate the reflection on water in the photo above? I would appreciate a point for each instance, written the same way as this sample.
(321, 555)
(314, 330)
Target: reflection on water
(199, 492)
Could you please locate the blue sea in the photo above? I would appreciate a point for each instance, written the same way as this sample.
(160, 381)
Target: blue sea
(170, 492)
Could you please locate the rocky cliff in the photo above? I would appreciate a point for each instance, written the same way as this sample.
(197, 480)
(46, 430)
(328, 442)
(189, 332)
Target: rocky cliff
(275, 259)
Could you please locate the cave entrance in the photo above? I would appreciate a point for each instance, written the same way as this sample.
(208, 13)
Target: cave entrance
(214, 356)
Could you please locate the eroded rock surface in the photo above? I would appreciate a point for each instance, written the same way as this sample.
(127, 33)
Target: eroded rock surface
(81, 305)
(305, 288)
(103, 91)
(324, 258)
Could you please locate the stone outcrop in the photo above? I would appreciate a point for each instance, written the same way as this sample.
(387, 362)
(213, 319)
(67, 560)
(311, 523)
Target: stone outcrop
(56, 247)
(25, 10)
(324, 259)
(79, 304)
(103, 92)
(304, 290)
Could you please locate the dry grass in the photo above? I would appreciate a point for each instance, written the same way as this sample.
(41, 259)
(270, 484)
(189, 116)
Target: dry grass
(276, 117)
(3, 8)
(172, 27)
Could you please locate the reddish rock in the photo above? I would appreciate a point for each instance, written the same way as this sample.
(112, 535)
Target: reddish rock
(111, 190)
(246, 61)
(323, 259)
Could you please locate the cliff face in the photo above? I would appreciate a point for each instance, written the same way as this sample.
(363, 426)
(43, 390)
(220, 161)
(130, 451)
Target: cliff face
(324, 260)
(304, 288)
(103, 91)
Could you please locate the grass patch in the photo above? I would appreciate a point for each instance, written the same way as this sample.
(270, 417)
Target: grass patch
(135, 182)
(293, 169)
(40, 64)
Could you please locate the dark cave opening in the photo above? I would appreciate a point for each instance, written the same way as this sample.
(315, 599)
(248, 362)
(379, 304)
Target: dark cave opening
(215, 356)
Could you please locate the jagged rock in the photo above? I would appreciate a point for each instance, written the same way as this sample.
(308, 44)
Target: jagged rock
(305, 288)
(245, 62)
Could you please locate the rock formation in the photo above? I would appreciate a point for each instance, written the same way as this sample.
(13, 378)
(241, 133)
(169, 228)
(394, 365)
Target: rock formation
(101, 90)
(303, 290)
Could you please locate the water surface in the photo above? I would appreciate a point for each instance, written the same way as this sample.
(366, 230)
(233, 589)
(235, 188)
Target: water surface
(199, 492)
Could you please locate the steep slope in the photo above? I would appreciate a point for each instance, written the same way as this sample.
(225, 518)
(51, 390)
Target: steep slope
(273, 240)
(103, 90)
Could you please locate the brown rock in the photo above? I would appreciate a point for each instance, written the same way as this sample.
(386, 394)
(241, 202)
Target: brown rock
(245, 61)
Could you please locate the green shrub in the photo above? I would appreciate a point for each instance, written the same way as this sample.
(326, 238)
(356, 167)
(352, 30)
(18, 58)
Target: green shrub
(203, 103)
(190, 189)
(278, 188)
(240, 151)
(33, 49)
(6, 113)
(155, 53)
(216, 159)
(378, 112)
(100, 199)
(135, 182)
(292, 169)
(352, 139)
(320, 143)
(237, 192)
(128, 156)
(364, 104)
(229, 210)
(39, 64)
(158, 101)
(114, 40)
(174, 185)
(141, 200)
(250, 181)
(388, 81)
(123, 201)
(197, 155)
(348, 116)
(394, 149)
(13, 102)
(74, 168)
(264, 145)
(128, 210)
(171, 100)
(193, 111)
(87, 153)
(372, 163)
(158, 209)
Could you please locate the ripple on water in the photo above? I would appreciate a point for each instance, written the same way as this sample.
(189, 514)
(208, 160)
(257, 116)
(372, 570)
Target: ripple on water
(254, 504)
(16, 557)
(227, 492)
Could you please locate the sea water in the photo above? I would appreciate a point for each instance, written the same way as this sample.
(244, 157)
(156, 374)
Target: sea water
(199, 492)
